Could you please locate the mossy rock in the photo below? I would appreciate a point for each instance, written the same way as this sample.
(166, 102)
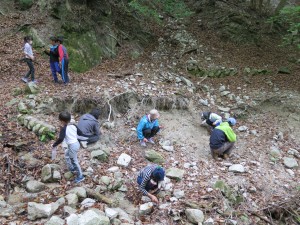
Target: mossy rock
(36, 128)
(25, 4)
(21, 118)
(17, 91)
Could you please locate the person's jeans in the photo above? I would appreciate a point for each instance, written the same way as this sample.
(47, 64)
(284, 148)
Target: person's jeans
(71, 158)
(226, 148)
(149, 133)
(31, 69)
(64, 70)
(54, 66)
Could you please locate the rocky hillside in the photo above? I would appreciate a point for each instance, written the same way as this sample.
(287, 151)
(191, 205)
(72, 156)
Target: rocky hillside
(186, 69)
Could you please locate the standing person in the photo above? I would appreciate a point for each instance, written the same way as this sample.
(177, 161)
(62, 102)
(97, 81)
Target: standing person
(28, 59)
(63, 60)
(68, 133)
(148, 127)
(222, 139)
(54, 58)
(89, 127)
(150, 181)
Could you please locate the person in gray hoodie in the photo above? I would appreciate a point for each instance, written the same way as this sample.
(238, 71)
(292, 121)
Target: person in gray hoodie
(89, 127)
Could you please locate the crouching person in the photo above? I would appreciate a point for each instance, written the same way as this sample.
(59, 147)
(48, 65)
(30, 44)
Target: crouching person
(150, 180)
(148, 127)
(222, 139)
(211, 119)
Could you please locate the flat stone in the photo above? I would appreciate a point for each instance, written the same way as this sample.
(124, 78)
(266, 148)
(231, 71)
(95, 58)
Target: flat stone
(87, 203)
(105, 180)
(37, 211)
(111, 213)
(195, 216)
(168, 148)
(55, 220)
(203, 102)
(209, 221)
(34, 186)
(124, 160)
(154, 156)
(237, 168)
(73, 219)
(175, 173)
(69, 210)
(242, 128)
(224, 109)
(113, 169)
(290, 162)
(224, 93)
(56, 175)
(222, 88)
(146, 208)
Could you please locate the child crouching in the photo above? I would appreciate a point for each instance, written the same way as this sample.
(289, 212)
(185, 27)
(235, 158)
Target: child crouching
(68, 133)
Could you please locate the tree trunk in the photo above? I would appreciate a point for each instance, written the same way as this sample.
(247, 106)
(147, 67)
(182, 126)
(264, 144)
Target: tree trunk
(280, 6)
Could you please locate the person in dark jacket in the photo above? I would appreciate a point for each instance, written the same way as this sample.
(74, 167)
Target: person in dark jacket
(222, 139)
(89, 127)
(54, 59)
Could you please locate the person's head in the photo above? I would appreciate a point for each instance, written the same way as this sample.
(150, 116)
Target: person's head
(52, 40)
(59, 40)
(95, 113)
(28, 39)
(205, 115)
(231, 121)
(64, 117)
(158, 174)
(154, 114)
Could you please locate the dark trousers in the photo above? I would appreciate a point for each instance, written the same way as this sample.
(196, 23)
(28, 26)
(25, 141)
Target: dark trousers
(31, 69)
(54, 66)
(226, 148)
(149, 133)
(93, 139)
(64, 70)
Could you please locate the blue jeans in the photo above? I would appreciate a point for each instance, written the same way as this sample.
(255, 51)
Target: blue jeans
(54, 66)
(71, 158)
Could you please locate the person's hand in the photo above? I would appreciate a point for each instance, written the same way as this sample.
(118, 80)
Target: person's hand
(32, 58)
(161, 127)
(145, 140)
(154, 199)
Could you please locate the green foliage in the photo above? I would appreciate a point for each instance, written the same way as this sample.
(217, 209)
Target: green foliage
(153, 9)
(46, 137)
(289, 17)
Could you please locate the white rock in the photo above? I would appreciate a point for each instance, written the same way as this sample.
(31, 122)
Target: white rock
(242, 128)
(237, 168)
(194, 215)
(204, 102)
(178, 193)
(79, 191)
(168, 148)
(56, 175)
(55, 220)
(69, 210)
(186, 165)
(113, 169)
(146, 208)
(72, 200)
(223, 109)
(111, 213)
(73, 219)
(222, 88)
(88, 202)
(291, 172)
(124, 160)
(146, 199)
(175, 173)
(90, 217)
(34, 186)
(290, 162)
(173, 199)
(37, 211)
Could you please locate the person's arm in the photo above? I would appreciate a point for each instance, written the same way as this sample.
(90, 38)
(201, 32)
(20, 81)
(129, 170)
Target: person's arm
(97, 129)
(142, 187)
(140, 128)
(61, 137)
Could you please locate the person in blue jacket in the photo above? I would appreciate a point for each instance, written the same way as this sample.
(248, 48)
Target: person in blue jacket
(148, 127)
(54, 60)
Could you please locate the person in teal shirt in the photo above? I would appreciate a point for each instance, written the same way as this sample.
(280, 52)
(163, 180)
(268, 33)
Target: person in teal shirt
(148, 127)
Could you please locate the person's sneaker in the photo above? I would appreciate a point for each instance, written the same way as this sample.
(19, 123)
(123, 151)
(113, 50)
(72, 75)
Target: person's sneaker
(74, 172)
(143, 144)
(79, 179)
(34, 82)
(83, 144)
(24, 79)
(150, 140)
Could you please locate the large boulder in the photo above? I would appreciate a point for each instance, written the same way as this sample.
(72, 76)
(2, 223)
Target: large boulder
(34, 186)
(50, 173)
(154, 156)
(124, 160)
(195, 216)
(31, 88)
(146, 208)
(37, 211)
(111, 213)
(55, 220)
(175, 173)
(90, 217)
